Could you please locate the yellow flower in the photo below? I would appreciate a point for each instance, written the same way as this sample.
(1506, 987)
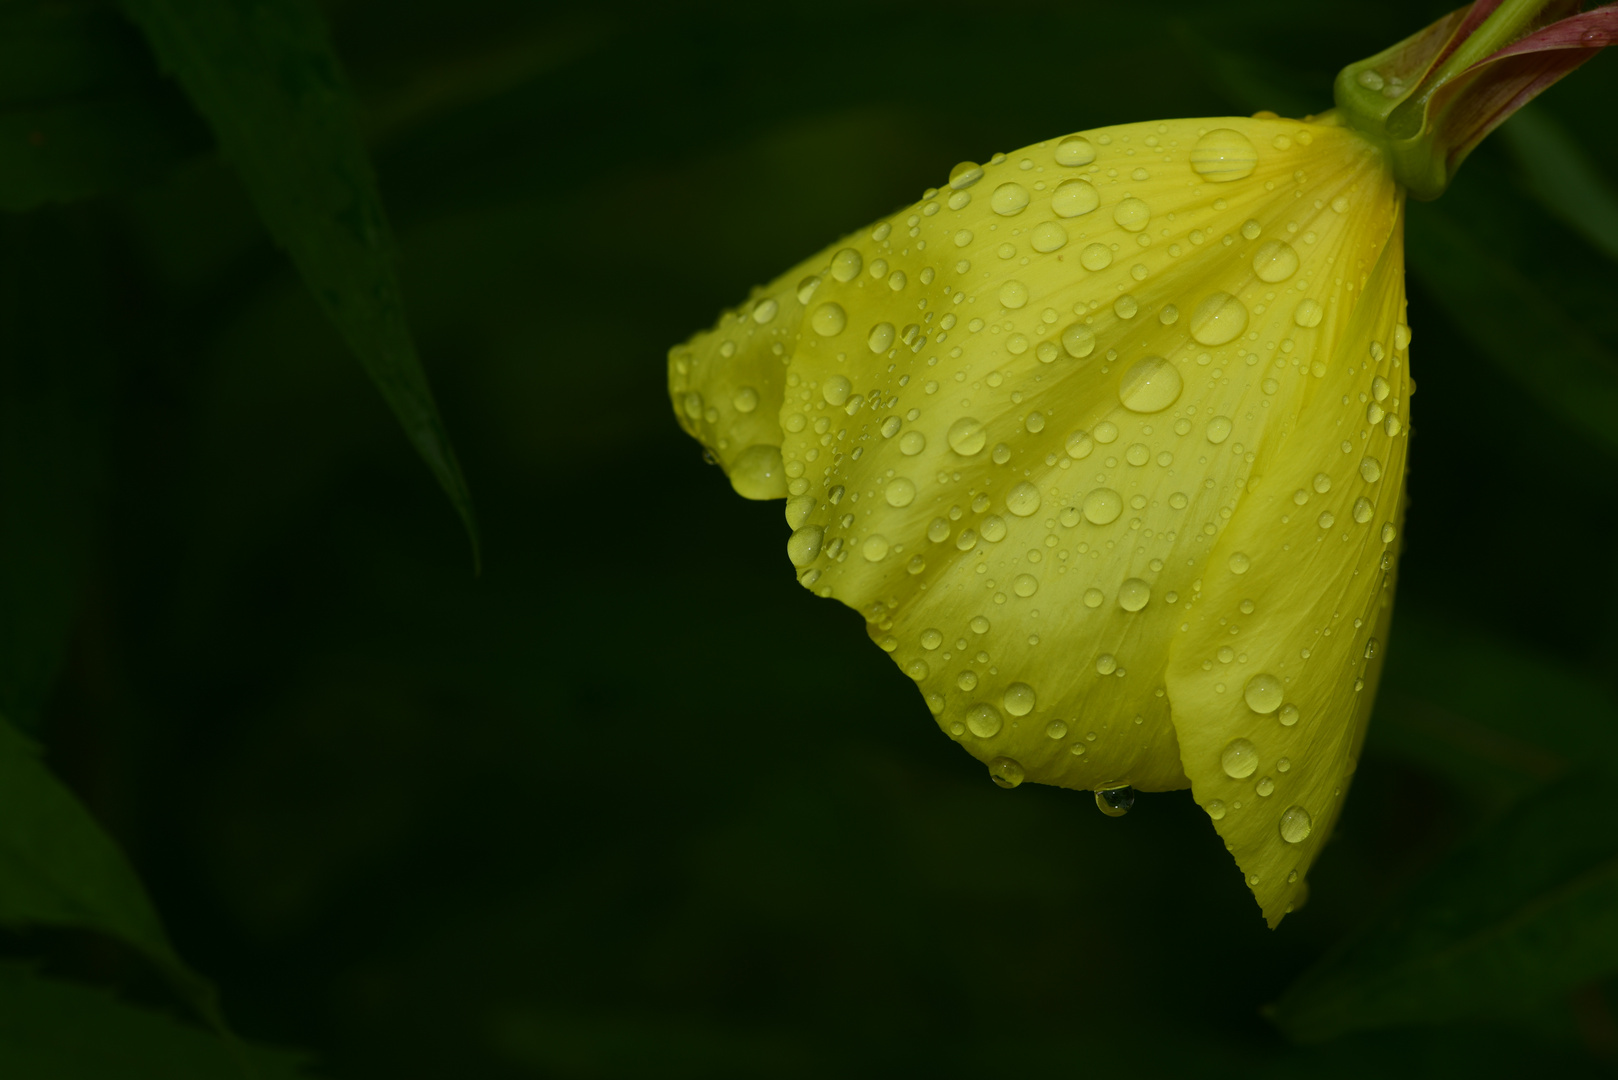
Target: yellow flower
(1106, 440)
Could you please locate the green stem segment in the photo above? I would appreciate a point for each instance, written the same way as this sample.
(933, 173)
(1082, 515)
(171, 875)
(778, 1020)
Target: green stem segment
(1402, 96)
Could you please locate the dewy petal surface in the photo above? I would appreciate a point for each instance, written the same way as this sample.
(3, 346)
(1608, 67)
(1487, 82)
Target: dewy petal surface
(1017, 440)
(726, 383)
(1300, 587)
(1105, 439)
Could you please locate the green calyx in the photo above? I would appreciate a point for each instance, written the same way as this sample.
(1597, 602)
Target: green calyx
(1394, 97)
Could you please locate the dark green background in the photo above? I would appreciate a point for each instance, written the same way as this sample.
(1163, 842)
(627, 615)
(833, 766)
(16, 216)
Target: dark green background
(632, 803)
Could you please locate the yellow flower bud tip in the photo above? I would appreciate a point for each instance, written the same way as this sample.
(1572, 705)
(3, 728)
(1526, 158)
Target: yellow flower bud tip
(1106, 439)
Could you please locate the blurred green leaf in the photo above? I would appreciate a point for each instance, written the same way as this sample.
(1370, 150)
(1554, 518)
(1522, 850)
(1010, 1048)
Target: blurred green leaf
(53, 1030)
(83, 109)
(1525, 910)
(1525, 331)
(1485, 713)
(271, 87)
(1561, 174)
(58, 868)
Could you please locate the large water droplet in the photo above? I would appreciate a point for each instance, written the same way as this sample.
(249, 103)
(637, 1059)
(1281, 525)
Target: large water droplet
(1308, 314)
(1006, 772)
(1239, 759)
(1075, 150)
(1219, 429)
(966, 436)
(1074, 198)
(1295, 825)
(965, 175)
(1048, 236)
(846, 265)
(1151, 385)
(829, 319)
(1218, 319)
(900, 492)
(1115, 802)
(1079, 341)
(1134, 594)
(1275, 260)
(875, 548)
(803, 546)
(1019, 699)
(836, 389)
(1023, 499)
(1096, 257)
(1009, 199)
(758, 473)
(1263, 693)
(984, 721)
(1102, 506)
(1132, 215)
(1223, 155)
(881, 337)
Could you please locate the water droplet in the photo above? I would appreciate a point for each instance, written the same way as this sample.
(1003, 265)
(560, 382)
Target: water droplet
(984, 721)
(1391, 425)
(918, 669)
(931, 638)
(1079, 445)
(846, 264)
(1223, 155)
(1216, 809)
(1096, 257)
(1079, 341)
(1102, 506)
(1013, 294)
(1275, 260)
(1388, 533)
(798, 510)
(1263, 693)
(1138, 454)
(836, 390)
(1288, 715)
(1218, 319)
(1264, 787)
(1322, 483)
(1371, 469)
(1115, 802)
(1047, 237)
(1151, 385)
(1380, 389)
(1019, 699)
(900, 492)
(1295, 825)
(1006, 772)
(965, 175)
(1074, 198)
(1106, 664)
(1283, 765)
(1056, 729)
(1239, 759)
(829, 319)
(912, 443)
(1125, 307)
(881, 337)
(1093, 598)
(1219, 429)
(1034, 422)
(1132, 215)
(1239, 562)
(807, 287)
(1308, 314)
(1326, 519)
(875, 548)
(1023, 499)
(803, 546)
(1025, 585)
(1363, 510)
(1134, 594)
(758, 473)
(1009, 199)
(966, 436)
(1075, 150)
(967, 680)
(765, 311)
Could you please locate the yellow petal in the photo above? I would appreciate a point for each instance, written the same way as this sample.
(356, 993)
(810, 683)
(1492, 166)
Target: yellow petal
(1300, 586)
(1015, 438)
(726, 383)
